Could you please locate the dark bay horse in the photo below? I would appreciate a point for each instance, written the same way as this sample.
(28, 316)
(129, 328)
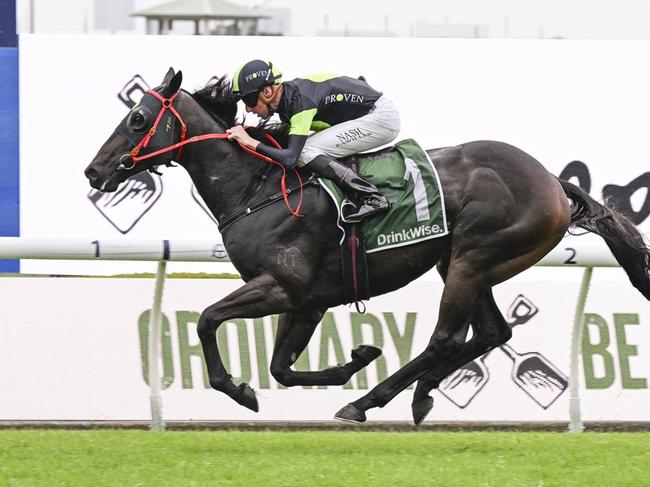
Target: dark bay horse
(505, 212)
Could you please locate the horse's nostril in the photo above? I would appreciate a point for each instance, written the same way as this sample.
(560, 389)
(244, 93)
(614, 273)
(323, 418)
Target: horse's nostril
(91, 174)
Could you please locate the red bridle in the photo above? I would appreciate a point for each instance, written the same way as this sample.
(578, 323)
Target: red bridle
(166, 104)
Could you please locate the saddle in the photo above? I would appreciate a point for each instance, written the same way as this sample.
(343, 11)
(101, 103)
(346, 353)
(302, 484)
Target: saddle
(407, 177)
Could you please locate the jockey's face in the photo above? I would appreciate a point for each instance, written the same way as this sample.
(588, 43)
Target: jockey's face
(260, 109)
(266, 97)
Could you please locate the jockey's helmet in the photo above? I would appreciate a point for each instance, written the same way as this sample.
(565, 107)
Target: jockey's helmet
(250, 78)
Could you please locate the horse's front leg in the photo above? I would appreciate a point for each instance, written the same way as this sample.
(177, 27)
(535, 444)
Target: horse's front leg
(295, 329)
(261, 296)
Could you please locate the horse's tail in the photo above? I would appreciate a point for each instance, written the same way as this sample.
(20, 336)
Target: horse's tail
(620, 234)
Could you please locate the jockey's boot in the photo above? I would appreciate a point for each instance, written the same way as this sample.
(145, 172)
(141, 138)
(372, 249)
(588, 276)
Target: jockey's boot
(365, 196)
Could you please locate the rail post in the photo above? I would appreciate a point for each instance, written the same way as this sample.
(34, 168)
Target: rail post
(575, 417)
(155, 321)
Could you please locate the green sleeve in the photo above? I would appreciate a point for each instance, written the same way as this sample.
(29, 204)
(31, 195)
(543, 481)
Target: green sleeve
(300, 123)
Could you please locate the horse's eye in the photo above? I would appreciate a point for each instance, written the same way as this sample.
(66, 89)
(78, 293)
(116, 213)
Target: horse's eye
(137, 121)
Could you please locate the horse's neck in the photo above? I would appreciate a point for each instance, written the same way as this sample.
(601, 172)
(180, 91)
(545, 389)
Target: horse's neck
(221, 171)
(219, 182)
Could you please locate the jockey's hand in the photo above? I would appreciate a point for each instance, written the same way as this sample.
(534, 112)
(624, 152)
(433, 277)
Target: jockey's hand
(239, 134)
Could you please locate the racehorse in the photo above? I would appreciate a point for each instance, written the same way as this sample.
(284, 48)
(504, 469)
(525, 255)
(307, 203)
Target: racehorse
(505, 211)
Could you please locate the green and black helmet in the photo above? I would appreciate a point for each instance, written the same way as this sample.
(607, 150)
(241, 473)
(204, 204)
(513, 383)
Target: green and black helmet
(250, 78)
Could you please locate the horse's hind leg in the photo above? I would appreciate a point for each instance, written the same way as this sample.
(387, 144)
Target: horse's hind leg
(470, 277)
(459, 299)
(491, 330)
(261, 296)
(295, 329)
(504, 224)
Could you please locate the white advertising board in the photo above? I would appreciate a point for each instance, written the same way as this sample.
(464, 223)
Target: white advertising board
(75, 349)
(561, 101)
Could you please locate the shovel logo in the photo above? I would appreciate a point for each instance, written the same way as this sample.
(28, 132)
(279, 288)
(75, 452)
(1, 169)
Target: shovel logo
(126, 206)
(533, 373)
(520, 311)
(463, 385)
(135, 197)
(536, 376)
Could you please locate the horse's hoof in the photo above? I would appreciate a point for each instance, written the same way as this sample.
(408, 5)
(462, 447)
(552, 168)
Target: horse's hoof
(247, 397)
(350, 414)
(365, 354)
(421, 408)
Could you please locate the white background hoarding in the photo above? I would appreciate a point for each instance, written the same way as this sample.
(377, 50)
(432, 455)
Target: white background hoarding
(71, 349)
(558, 100)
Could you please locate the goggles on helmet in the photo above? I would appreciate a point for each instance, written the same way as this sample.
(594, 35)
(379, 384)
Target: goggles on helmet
(250, 100)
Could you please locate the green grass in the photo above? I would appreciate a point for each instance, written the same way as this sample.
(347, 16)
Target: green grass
(321, 458)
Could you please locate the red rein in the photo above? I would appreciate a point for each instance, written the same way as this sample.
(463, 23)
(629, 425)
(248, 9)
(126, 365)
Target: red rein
(167, 104)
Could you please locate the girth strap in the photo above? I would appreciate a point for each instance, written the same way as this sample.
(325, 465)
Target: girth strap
(262, 204)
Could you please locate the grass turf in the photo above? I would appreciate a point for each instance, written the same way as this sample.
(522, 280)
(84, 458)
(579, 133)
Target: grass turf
(321, 458)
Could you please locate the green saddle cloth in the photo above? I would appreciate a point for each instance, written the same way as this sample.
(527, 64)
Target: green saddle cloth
(407, 177)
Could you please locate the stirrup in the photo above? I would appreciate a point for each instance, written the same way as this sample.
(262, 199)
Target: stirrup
(353, 209)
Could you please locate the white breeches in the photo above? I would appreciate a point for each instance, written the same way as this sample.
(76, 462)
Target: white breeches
(378, 127)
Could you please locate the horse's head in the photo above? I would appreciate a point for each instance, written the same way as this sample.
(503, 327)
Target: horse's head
(138, 141)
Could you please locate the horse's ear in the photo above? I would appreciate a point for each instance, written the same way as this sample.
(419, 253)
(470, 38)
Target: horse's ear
(168, 76)
(173, 85)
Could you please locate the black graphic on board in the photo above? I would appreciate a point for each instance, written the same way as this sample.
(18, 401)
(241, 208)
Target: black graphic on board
(577, 172)
(463, 385)
(126, 206)
(536, 376)
(533, 373)
(620, 197)
(132, 91)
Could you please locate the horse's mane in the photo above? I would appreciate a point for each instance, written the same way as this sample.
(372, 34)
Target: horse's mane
(217, 99)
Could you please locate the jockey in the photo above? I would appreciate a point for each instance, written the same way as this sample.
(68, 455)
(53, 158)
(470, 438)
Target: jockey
(346, 114)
